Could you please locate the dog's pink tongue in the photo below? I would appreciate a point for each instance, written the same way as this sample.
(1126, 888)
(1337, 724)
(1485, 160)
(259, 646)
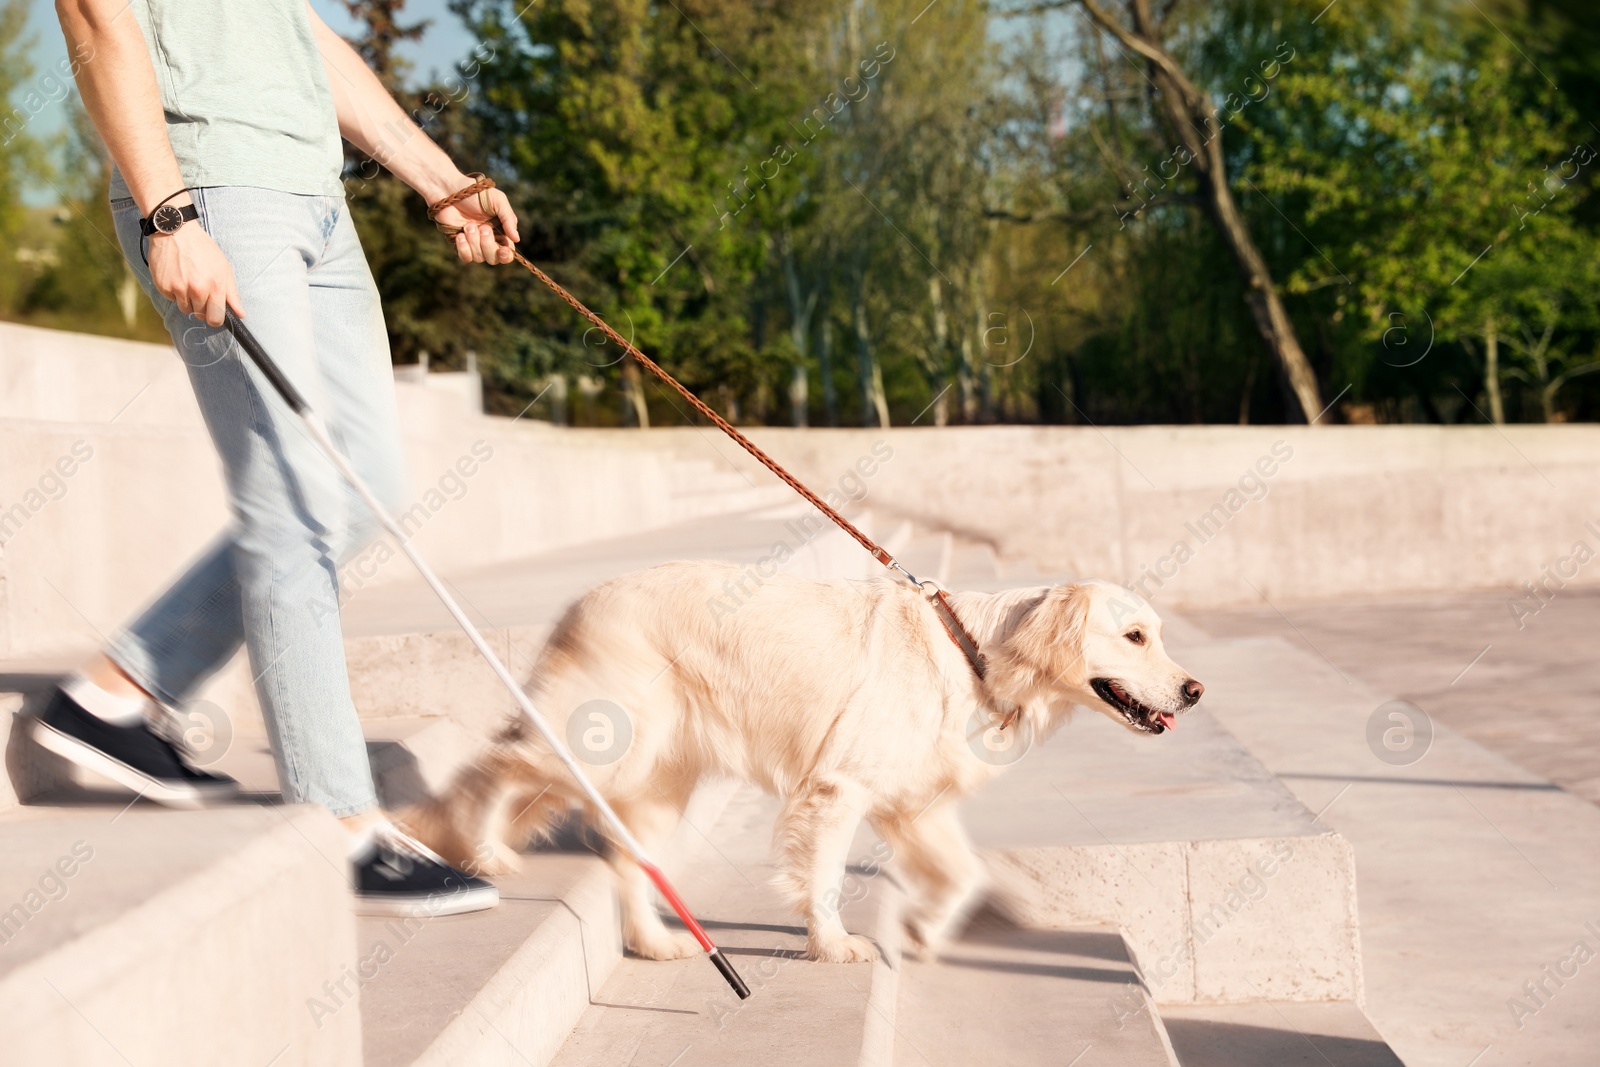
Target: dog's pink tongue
(1169, 720)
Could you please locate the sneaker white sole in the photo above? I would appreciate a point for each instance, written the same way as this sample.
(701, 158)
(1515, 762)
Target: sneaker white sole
(412, 907)
(173, 795)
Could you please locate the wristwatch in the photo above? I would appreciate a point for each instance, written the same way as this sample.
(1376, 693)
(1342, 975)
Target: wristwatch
(167, 218)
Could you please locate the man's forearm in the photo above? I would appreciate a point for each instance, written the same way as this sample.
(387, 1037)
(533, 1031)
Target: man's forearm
(370, 119)
(118, 86)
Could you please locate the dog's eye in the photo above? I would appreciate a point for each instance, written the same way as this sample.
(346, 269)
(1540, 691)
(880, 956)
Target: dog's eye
(1136, 636)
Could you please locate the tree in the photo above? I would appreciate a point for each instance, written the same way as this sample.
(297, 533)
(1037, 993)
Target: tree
(1192, 120)
(21, 154)
(88, 285)
(1432, 163)
(803, 241)
(382, 31)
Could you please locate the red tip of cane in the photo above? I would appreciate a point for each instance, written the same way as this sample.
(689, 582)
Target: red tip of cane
(724, 967)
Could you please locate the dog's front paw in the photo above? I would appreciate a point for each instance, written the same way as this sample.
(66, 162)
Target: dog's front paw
(666, 945)
(851, 948)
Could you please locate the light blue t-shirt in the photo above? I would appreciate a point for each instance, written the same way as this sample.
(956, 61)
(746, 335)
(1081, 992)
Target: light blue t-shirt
(245, 94)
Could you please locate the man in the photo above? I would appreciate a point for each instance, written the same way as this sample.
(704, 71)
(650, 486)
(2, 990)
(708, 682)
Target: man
(224, 120)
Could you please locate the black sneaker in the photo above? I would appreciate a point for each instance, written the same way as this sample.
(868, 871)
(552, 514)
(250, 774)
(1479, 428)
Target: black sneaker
(398, 875)
(132, 756)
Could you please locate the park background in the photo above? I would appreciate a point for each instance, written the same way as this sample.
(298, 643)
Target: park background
(825, 213)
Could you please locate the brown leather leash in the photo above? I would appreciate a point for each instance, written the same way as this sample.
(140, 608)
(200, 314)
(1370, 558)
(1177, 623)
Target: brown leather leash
(937, 598)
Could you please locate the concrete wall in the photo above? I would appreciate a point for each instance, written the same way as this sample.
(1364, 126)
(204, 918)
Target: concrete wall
(101, 445)
(109, 484)
(1329, 512)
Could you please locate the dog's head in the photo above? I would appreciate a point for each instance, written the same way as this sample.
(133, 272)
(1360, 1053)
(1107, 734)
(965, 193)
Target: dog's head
(1096, 644)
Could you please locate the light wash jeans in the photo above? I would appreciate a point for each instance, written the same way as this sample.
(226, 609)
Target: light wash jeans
(272, 581)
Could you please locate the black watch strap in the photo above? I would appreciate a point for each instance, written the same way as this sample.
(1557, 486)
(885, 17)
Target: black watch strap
(170, 218)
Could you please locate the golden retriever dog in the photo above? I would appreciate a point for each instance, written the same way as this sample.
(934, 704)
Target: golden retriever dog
(847, 700)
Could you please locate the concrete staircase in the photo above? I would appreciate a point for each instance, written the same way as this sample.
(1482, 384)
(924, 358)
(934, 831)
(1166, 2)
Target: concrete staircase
(1134, 919)
(131, 935)
(653, 1013)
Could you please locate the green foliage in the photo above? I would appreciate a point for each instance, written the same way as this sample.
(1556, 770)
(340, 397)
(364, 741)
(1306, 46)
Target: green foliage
(827, 211)
(631, 136)
(1431, 162)
(20, 152)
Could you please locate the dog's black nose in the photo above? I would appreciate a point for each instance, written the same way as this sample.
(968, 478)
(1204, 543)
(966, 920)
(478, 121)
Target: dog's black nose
(1192, 691)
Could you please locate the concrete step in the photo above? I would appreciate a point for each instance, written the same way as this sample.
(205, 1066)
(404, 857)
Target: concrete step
(505, 986)
(502, 987)
(130, 934)
(30, 771)
(1478, 878)
(1029, 998)
(1227, 887)
(651, 1014)
(1276, 1034)
(497, 987)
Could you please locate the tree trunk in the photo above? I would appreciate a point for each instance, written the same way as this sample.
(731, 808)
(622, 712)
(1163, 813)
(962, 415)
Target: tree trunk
(800, 310)
(986, 383)
(1491, 371)
(1189, 114)
(874, 406)
(128, 295)
(634, 410)
(939, 378)
(880, 402)
(966, 383)
(799, 397)
(1244, 395)
(940, 354)
(557, 384)
(830, 400)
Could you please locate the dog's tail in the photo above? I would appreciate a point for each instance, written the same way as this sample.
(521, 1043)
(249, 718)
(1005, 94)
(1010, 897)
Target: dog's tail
(494, 807)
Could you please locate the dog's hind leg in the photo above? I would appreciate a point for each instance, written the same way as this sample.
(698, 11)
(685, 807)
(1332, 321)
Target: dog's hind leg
(814, 834)
(651, 820)
(933, 853)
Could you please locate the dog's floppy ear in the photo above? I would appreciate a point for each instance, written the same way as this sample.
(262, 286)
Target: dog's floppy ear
(1044, 652)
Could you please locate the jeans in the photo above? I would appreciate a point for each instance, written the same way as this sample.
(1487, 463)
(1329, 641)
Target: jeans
(272, 581)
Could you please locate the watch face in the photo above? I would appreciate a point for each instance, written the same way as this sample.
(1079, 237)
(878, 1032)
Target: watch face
(167, 219)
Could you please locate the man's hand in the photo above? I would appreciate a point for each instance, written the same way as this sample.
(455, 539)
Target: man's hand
(477, 242)
(189, 269)
(370, 119)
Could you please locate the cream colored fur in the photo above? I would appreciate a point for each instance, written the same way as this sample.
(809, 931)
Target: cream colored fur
(846, 699)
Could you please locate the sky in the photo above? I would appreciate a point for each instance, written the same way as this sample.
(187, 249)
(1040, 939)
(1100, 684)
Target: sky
(442, 44)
